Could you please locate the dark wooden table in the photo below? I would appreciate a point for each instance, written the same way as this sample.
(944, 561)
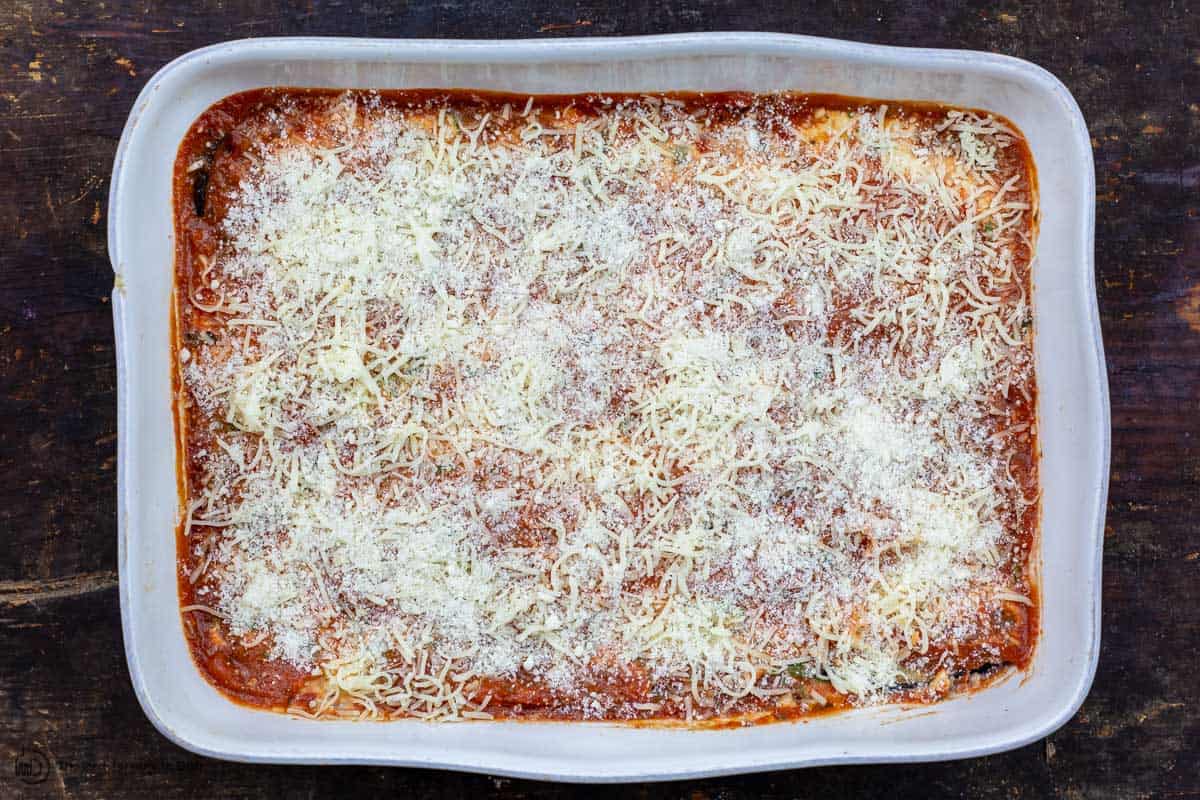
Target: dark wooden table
(68, 75)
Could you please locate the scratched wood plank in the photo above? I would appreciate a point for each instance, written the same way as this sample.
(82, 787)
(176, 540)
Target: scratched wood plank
(68, 74)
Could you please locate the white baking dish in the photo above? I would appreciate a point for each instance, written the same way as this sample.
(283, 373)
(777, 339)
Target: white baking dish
(1073, 402)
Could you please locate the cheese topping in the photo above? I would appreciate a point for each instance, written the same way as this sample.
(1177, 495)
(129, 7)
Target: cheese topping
(529, 396)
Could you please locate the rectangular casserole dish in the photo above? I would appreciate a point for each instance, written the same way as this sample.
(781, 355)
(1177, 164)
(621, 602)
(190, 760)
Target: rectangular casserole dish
(1073, 403)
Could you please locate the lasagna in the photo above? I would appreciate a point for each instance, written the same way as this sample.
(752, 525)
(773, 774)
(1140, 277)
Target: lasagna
(677, 408)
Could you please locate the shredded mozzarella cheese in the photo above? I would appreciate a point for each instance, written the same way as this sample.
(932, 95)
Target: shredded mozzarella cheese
(511, 398)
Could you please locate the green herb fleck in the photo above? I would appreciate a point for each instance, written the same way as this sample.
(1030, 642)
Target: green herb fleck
(799, 671)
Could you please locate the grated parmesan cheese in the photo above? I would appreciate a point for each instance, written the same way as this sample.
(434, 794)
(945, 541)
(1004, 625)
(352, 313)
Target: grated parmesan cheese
(514, 397)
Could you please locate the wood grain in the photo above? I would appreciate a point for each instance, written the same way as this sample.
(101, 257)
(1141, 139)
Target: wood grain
(69, 72)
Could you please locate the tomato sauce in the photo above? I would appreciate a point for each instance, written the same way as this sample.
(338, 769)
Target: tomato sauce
(214, 157)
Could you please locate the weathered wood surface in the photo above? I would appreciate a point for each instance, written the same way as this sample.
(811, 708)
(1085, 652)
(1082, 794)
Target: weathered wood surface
(69, 71)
